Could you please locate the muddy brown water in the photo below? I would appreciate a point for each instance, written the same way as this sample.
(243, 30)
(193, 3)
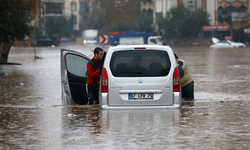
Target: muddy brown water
(32, 116)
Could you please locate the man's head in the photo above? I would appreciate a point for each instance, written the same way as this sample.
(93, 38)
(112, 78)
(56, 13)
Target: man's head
(98, 52)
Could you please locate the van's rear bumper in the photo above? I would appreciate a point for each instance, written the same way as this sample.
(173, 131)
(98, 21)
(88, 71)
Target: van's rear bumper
(175, 106)
(105, 105)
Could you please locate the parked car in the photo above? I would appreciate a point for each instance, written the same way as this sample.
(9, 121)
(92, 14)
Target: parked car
(225, 44)
(132, 76)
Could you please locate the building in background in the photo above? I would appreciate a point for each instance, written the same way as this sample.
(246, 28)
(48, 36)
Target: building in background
(82, 12)
(79, 11)
(232, 13)
(217, 9)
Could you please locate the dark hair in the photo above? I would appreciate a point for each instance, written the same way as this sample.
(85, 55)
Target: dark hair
(97, 50)
(176, 56)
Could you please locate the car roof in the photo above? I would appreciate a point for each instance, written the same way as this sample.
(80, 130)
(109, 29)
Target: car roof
(215, 40)
(140, 47)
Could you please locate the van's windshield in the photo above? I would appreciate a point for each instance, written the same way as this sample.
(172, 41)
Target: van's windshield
(140, 63)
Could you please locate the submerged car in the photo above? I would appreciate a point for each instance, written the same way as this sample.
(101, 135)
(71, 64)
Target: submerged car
(226, 44)
(132, 76)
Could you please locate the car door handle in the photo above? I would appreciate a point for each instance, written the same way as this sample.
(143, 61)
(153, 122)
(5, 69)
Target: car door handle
(64, 82)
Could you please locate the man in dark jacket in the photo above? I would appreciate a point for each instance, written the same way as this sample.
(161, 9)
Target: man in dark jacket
(186, 79)
(93, 77)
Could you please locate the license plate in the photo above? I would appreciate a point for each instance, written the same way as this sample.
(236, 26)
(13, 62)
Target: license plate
(140, 96)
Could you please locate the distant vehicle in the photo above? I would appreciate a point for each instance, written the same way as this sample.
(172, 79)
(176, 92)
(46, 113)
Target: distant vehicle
(154, 40)
(132, 38)
(49, 42)
(225, 44)
(90, 36)
(132, 77)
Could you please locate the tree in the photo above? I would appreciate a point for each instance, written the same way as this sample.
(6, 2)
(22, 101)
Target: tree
(183, 23)
(145, 21)
(121, 26)
(15, 16)
(115, 16)
(124, 15)
(142, 23)
(58, 26)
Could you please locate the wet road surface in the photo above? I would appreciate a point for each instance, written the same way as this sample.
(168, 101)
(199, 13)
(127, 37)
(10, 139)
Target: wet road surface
(32, 116)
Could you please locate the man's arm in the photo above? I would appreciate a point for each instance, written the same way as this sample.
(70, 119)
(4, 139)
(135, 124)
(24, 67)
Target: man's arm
(180, 70)
(91, 71)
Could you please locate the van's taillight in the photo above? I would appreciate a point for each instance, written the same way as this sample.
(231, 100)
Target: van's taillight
(104, 81)
(176, 81)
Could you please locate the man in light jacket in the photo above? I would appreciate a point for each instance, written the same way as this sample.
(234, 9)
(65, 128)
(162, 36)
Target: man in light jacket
(186, 79)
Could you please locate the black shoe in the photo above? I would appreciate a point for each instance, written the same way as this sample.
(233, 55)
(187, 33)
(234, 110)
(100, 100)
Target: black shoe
(97, 102)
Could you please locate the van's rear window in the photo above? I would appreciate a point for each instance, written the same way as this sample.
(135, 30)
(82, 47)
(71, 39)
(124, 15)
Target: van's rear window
(140, 63)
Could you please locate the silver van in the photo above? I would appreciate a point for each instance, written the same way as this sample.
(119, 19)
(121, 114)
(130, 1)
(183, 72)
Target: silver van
(132, 76)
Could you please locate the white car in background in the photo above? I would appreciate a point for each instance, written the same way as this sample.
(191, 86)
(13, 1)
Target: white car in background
(225, 44)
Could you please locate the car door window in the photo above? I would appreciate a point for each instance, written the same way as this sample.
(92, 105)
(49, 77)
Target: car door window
(153, 40)
(76, 65)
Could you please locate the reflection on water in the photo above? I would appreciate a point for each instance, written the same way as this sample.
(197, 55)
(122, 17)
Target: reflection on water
(116, 129)
(32, 116)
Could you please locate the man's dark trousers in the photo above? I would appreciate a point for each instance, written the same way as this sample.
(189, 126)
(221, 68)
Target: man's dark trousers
(188, 91)
(93, 94)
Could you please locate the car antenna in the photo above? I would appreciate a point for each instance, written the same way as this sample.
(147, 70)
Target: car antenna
(164, 43)
(115, 43)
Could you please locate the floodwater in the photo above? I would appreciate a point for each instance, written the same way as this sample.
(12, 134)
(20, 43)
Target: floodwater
(32, 116)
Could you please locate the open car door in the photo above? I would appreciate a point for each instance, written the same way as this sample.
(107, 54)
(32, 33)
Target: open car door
(73, 77)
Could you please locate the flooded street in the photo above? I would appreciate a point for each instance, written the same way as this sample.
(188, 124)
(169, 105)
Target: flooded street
(33, 117)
